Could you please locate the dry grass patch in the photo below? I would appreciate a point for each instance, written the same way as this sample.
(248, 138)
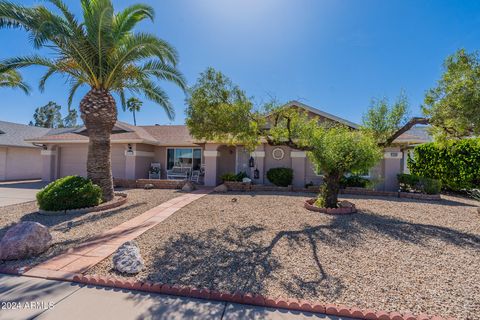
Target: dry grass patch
(72, 229)
(396, 254)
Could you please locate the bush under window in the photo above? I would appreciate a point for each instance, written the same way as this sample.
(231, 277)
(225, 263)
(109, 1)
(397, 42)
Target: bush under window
(71, 192)
(354, 181)
(410, 182)
(230, 176)
(280, 176)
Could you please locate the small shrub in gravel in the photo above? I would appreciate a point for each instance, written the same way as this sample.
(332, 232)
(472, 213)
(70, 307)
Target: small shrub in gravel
(280, 176)
(71, 192)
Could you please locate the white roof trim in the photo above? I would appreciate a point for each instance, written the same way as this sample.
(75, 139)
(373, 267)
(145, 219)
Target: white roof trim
(322, 113)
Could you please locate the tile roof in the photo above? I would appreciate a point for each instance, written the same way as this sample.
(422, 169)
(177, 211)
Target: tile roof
(167, 135)
(14, 134)
(416, 135)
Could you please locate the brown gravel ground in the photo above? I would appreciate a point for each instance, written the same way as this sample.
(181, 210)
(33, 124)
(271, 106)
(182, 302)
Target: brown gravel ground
(83, 226)
(396, 254)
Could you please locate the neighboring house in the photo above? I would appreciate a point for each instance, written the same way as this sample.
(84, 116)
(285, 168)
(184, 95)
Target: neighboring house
(134, 148)
(19, 160)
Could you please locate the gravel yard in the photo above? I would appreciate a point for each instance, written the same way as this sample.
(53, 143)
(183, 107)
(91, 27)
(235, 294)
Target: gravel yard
(83, 226)
(395, 255)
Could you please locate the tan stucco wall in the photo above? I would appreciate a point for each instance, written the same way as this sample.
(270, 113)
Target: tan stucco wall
(226, 163)
(310, 175)
(20, 163)
(142, 162)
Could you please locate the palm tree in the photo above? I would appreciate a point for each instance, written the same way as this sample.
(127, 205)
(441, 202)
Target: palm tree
(102, 52)
(13, 79)
(134, 105)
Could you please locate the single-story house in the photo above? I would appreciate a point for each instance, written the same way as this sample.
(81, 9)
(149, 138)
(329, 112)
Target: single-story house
(135, 148)
(19, 160)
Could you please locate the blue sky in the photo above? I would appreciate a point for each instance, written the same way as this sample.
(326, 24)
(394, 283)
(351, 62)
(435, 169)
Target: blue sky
(334, 55)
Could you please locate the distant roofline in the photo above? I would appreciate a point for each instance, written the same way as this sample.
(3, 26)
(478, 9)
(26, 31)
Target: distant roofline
(322, 113)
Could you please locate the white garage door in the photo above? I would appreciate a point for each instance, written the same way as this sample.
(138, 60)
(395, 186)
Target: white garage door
(73, 160)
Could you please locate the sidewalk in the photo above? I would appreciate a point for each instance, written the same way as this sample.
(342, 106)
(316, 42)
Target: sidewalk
(73, 301)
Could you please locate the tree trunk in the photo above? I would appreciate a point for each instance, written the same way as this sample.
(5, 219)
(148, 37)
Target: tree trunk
(134, 120)
(99, 114)
(331, 189)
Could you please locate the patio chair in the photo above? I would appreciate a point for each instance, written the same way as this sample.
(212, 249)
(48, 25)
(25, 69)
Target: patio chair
(154, 171)
(195, 175)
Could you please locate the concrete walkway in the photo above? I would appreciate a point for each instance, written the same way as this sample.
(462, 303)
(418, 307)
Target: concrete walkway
(91, 252)
(14, 192)
(50, 299)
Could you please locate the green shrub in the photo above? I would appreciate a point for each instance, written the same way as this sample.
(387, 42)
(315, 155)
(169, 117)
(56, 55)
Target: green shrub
(229, 176)
(241, 175)
(280, 176)
(354, 181)
(430, 186)
(456, 163)
(411, 182)
(71, 192)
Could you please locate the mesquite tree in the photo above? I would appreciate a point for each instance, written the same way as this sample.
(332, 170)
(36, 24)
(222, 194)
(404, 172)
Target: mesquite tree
(101, 52)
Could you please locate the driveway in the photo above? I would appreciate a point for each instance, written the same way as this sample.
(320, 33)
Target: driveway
(14, 192)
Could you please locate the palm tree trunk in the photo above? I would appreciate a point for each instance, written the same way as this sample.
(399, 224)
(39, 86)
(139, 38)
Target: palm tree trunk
(99, 113)
(134, 120)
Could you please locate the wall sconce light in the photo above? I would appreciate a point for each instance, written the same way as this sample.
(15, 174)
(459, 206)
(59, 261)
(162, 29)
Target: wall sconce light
(129, 149)
(251, 162)
(256, 174)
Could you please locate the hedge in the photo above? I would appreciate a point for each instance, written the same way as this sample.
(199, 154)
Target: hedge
(456, 163)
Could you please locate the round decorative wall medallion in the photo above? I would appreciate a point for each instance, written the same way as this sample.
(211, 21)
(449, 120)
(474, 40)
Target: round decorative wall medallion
(278, 153)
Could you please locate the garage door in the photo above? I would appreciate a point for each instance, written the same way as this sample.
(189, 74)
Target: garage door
(73, 160)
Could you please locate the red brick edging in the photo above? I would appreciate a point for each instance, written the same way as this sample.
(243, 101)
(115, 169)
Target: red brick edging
(235, 297)
(309, 205)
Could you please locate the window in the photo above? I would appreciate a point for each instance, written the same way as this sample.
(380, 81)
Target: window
(184, 157)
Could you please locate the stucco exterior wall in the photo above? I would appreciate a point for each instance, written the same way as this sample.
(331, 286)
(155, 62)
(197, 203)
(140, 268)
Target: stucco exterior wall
(143, 160)
(20, 163)
(311, 175)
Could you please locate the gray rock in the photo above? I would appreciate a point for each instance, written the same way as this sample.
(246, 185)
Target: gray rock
(127, 258)
(221, 188)
(24, 240)
(148, 186)
(188, 186)
(345, 204)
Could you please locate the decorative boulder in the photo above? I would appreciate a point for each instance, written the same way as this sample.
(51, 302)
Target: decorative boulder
(188, 186)
(148, 186)
(345, 204)
(220, 188)
(127, 258)
(24, 240)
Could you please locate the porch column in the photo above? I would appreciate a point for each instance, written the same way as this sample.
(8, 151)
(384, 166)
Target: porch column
(130, 162)
(211, 155)
(299, 168)
(259, 158)
(3, 164)
(49, 163)
(393, 166)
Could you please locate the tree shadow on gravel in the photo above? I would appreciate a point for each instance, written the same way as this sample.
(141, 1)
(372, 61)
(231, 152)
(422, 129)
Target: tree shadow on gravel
(241, 259)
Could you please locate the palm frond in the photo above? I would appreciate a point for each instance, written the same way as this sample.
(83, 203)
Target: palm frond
(154, 93)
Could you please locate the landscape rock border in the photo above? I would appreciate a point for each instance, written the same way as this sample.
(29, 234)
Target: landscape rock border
(310, 205)
(235, 297)
(119, 199)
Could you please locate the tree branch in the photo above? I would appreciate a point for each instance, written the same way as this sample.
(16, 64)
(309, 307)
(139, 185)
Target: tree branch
(412, 122)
